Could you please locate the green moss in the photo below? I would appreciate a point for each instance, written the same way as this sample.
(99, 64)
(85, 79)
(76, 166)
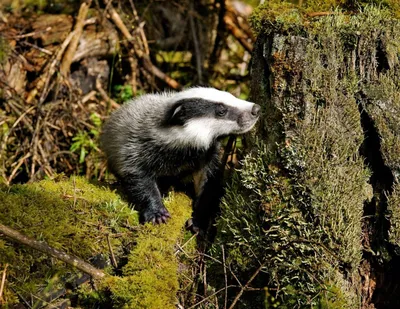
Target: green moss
(70, 215)
(394, 216)
(278, 15)
(384, 108)
(151, 278)
(273, 15)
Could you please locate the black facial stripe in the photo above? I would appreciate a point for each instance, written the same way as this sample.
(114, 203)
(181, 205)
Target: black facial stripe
(186, 109)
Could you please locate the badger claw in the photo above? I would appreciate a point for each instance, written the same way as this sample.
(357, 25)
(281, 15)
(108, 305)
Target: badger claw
(157, 216)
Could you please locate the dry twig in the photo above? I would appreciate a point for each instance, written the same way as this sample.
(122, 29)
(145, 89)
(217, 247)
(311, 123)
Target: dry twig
(49, 70)
(148, 65)
(104, 95)
(112, 256)
(73, 45)
(246, 286)
(3, 282)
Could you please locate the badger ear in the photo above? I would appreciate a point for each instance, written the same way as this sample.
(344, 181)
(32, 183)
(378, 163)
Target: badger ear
(177, 115)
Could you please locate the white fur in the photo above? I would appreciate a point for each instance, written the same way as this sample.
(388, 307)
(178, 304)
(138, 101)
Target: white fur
(199, 133)
(211, 94)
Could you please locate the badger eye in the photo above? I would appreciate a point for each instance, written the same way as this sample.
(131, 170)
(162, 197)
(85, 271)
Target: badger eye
(221, 110)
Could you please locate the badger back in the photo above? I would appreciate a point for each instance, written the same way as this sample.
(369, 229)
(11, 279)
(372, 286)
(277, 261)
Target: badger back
(124, 132)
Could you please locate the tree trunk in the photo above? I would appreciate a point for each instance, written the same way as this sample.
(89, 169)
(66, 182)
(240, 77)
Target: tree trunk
(318, 199)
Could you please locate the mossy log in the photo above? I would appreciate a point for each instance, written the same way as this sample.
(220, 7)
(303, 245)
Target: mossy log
(317, 200)
(86, 220)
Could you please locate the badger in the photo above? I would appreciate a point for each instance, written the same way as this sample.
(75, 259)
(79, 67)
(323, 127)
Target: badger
(173, 134)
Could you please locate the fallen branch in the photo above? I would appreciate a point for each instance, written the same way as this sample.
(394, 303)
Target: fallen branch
(45, 248)
(73, 45)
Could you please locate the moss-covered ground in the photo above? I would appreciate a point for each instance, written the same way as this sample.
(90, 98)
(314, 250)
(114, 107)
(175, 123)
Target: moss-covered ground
(77, 217)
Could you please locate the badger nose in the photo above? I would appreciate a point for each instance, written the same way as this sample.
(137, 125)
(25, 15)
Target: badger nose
(255, 111)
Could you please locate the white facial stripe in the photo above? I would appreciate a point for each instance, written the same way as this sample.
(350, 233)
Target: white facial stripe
(199, 132)
(214, 95)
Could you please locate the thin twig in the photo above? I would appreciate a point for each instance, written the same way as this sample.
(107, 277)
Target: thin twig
(189, 240)
(112, 256)
(148, 65)
(238, 33)
(43, 50)
(30, 34)
(3, 282)
(20, 162)
(88, 96)
(6, 135)
(245, 286)
(49, 70)
(226, 278)
(45, 248)
(208, 297)
(104, 95)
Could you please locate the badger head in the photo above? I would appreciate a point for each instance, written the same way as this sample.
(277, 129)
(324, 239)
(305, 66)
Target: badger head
(199, 116)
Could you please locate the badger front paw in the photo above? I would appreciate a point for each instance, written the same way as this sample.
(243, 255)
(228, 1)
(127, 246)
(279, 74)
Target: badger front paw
(156, 216)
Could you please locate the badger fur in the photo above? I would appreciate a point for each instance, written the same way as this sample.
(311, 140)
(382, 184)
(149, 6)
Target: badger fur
(173, 134)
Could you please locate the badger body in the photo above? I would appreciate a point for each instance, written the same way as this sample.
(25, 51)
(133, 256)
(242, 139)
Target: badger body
(173, 134)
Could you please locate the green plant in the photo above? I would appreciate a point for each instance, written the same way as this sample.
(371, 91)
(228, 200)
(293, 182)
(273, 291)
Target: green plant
(123, 93)
(84, 142)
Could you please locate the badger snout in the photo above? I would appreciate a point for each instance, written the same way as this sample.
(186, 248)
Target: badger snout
(255, 111)
(248, 118)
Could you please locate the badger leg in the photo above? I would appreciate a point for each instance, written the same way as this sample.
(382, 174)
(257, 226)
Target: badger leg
(209, 191)
(143, 192)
